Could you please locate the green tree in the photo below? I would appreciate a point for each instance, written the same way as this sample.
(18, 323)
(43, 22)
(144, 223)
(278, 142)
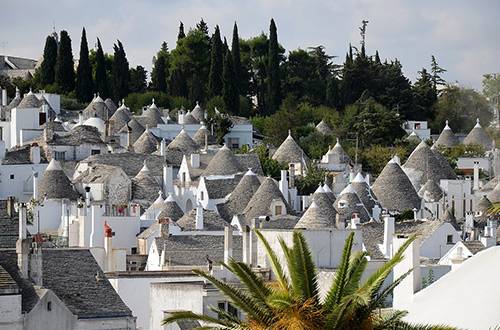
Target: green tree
(48, 66)
(273, 68)
(235, 51)
(65, 74)
(216, 65)
(425, 97)
(332, 98)
(121, 72)
(461, 106)
(436, 72)
(292, 301)
(138, 83)
(181, 33)
(159, 73)
(491, 89)
(101, 78)
(309, 183)
(220, 122)
(84, 83)
(229, 90)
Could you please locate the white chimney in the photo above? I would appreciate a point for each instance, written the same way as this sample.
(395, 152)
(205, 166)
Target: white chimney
(3, 150)
(35, 154)
(80, 118)
(228, 243)
(181, 118)
(168, 185)
(108, 246)
(87, 196)
(163, 147)
(22, 245)
(195, 160)
(476, 175)
(97, 232)
(283, 185)
(4, 97)
(403, 293)
(352, 175)
(388, 235)
(292, 175)
(199, 217)
(35, 185)
(22, 221)
(355, 221)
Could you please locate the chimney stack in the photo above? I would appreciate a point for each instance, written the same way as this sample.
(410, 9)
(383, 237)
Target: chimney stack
(108, 246)
(476, 175)
(22, 245)
(228, 243)
(199, 217)
(283, 185)
(388, 234)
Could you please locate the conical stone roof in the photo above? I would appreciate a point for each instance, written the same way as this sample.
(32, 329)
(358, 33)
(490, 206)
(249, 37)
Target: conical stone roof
(111, 106)
(323, 128)
(482, 204)
(97, 108)
(443, 163)
(290, 152)
(329, 192)
(241, 195)
(314, 218)
(223, 163)
(153, 116)
(340, 152)
(198, 112)
(199, 137)
(181, 146)
(478, 135)
(119, 118)
(137, 130)
(394, 190)
(15, 101)
(145, 187)
(170, 209)
(349, 203)
(189, 119)
(447, 138)
(147, 143)
(413, 136)
(435, 192)
(324, 202)
(29, 101)
(364, 192)
(491, 184)
(259, 204)
(423, 165)
(54, 184)
(448, 217)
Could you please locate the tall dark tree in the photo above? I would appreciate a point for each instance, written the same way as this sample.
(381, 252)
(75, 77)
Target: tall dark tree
(332, 98)
(215, 76)
(181, 33)
(436, 72)
(235, 51)
(159, 74)
(48, 67)
(138, 78)
(121, 73)
(101, 79)
(178, 83)
(203, 27)
(197, 90)
(229, 92)
(84, 84)
(65, 73)
(425, 97)
(273, 68)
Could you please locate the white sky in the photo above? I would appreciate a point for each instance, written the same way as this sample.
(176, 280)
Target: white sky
(463, 35)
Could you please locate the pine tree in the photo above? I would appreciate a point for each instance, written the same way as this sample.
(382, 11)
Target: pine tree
(332, 99)
(65, 73)
(436, 71)
(178, 83)
(84, 84)
(158, 75)
(229, 91)
(138, 82)
(215, 76)
(273, 68)
(235, 50)
(197, 90)
(48, 67)
(121, 74)
(425, 97)
(101, 79)
(181, 31)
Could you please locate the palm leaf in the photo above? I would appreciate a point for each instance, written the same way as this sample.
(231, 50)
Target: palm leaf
(275, 264)
(191, 316)
(302, 268)
(336, 291)
(407, 326)
(238, 297)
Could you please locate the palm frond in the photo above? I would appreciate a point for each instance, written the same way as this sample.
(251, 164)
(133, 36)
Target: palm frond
(408, 326)
(336, 291)
(238, 297)
(191, 316)
(389, 319)
(302, 268)
(357, 266)
(273, 260)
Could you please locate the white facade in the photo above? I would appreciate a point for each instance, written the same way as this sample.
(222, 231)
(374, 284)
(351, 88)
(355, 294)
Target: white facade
(26, 118)
(458, 197)
(17, 180)
(419, 127)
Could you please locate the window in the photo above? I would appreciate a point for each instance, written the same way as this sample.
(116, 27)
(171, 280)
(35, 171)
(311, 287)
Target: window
(233, 143)
(59, 155)
(183, 177)
(277, 209)
(227, 307)
(449, 239)
(95, 152)
(201, 195)
(49, 306)
(12, 176)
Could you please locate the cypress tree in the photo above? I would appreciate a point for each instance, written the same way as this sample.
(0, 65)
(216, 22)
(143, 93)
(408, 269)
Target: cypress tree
(138, 82)
(215, 76)
(101, 80)
(273, 68)
(158, 75)
(48, 67)
(178, 83)
(235, 50)
(84, 84)
(332, 99)
(121, 73)
(229, 91)
(181, 31)
(65, 74)
(197, 90)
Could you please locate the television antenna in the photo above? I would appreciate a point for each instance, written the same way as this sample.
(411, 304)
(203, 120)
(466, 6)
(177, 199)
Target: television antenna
(3, 44)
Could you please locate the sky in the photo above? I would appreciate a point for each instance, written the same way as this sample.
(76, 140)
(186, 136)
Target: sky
(463, 35)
